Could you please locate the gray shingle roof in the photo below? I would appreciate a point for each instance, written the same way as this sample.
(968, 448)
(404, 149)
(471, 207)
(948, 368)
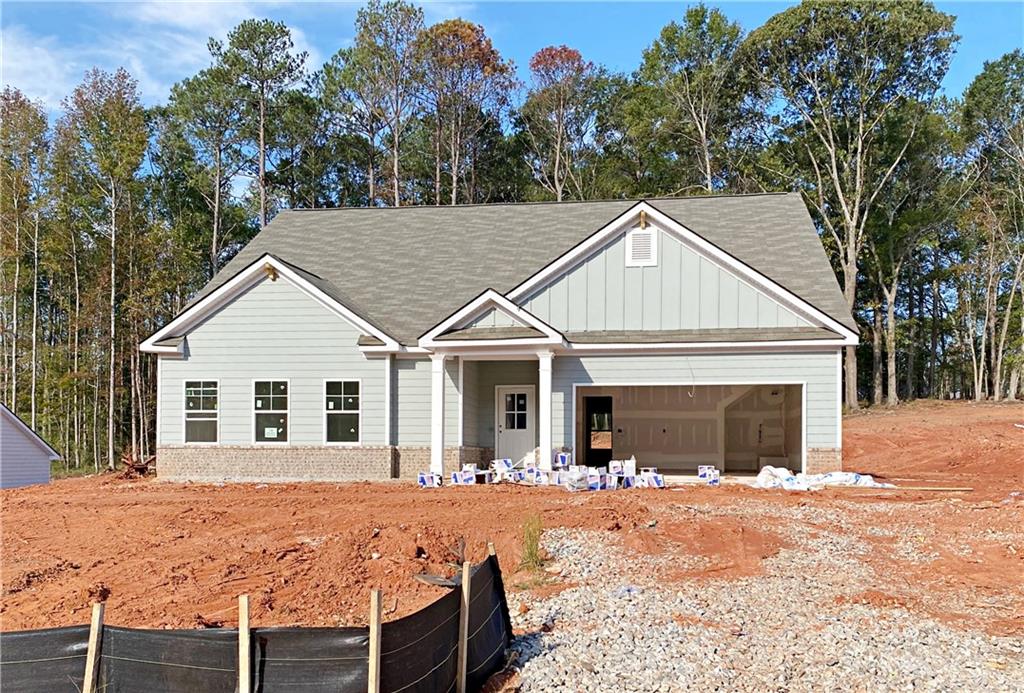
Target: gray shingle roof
(737, 334)
(405, 269)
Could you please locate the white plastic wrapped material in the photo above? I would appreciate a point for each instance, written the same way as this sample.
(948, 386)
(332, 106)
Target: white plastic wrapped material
(779, 477)
(575, 479)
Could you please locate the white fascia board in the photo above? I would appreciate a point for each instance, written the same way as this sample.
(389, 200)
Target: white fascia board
(28, 432)
(489, 299)
(703, 246)
(496, 343)
(244, 280)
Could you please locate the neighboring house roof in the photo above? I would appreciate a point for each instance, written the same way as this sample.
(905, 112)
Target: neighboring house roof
(27, 431)
(405, 269)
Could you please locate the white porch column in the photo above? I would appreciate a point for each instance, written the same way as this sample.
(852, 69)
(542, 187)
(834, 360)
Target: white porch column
(544, 408)
(437, 413)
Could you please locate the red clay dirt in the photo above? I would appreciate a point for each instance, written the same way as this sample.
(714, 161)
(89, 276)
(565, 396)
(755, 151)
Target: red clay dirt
(177, 555)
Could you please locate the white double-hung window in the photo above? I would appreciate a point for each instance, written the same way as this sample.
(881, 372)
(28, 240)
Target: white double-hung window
(270, 411)
(201, 422)
(341, 411)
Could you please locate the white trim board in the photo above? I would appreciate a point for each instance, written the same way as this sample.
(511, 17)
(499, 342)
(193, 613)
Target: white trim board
(692, 240)
(490, 299)
(256, 272)
(703, 383)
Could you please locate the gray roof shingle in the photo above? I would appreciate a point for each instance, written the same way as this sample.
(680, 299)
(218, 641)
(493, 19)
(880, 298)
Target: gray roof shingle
(405, 269)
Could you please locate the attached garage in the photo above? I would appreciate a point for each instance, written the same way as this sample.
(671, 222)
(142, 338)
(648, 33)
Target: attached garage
(678, 427)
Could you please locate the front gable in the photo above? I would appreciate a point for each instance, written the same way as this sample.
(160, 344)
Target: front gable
(171, 338)
(489, 319)
(648, 273)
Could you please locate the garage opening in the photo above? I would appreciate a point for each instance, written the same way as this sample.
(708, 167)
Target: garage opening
(676, 428)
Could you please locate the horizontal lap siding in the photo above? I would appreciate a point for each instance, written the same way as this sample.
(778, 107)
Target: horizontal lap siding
(817, 369)
(22, 462)
(412, 401)
(274, 331)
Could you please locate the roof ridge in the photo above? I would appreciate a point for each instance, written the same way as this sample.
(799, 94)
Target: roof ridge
(537, 203)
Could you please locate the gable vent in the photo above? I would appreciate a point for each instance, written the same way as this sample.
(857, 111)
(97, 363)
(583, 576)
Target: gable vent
(642, 247)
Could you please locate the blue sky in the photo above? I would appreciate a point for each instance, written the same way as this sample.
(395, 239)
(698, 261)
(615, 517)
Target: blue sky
(48, 45)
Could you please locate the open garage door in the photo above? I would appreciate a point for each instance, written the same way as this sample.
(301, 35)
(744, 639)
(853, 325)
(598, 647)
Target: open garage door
(676, 428)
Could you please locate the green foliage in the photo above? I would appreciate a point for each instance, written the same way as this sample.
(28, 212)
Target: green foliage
(533, 528)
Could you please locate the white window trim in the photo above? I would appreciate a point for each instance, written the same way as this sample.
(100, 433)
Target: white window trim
(359, 412)
(287, 412)
(654, 233)
(185, 412)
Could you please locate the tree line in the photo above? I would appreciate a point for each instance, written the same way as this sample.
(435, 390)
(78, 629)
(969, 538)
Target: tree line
(114, 213)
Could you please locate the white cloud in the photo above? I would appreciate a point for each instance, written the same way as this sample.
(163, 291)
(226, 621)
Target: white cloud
(434, 12)
(38, 65)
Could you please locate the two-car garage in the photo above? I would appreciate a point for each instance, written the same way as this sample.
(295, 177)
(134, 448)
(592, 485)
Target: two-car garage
(675, 428)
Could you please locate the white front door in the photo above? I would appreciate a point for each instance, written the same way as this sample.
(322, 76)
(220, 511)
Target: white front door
(514, 432)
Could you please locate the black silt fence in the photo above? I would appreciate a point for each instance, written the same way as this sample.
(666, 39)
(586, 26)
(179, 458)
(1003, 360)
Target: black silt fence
(419, 653)
(52, 659)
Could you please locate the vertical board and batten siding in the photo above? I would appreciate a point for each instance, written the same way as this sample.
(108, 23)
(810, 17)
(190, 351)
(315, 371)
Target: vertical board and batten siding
(273, 331)
(818, 370)
(683, 291)
(492, 318)
(23, 461)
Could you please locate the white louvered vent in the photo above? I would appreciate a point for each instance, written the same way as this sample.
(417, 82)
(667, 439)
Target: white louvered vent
(642, 247)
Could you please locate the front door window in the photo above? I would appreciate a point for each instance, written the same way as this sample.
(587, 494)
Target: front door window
(515, 422)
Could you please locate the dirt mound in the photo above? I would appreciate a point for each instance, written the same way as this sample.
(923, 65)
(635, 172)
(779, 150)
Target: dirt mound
(177, 555)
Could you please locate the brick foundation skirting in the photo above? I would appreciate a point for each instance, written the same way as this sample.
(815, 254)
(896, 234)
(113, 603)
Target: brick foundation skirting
(230, 463)
(823, 460)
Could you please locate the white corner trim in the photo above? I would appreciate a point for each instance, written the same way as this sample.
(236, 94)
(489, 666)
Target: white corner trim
(709, 250)
(246, 279)
(29, 433)
(490, 299)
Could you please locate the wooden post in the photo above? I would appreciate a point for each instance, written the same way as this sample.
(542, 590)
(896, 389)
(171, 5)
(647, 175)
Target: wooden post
(490, 549)
(244, 649)
(92, 655)
(373, 677)
(460, 681)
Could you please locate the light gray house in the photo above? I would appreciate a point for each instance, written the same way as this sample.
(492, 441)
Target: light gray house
(375, 343)
(24, 456)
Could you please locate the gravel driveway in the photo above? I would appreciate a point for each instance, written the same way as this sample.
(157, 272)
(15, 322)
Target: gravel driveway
(623, 627)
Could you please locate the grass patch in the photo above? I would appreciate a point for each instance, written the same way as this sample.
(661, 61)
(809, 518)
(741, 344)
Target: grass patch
(532, 529)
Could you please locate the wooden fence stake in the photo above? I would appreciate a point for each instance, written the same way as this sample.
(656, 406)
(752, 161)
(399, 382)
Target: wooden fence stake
(92, 655)
(373, 677)
(460, 681)
(244, 650)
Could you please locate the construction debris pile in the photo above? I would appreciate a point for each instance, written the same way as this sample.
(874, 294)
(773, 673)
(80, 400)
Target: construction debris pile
(619, 474)
(779, 477)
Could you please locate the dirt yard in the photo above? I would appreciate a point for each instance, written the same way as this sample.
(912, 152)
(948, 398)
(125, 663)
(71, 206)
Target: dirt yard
(171, 555)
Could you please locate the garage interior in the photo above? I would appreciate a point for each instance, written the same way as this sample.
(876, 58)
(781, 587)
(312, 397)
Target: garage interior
(737, 428)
